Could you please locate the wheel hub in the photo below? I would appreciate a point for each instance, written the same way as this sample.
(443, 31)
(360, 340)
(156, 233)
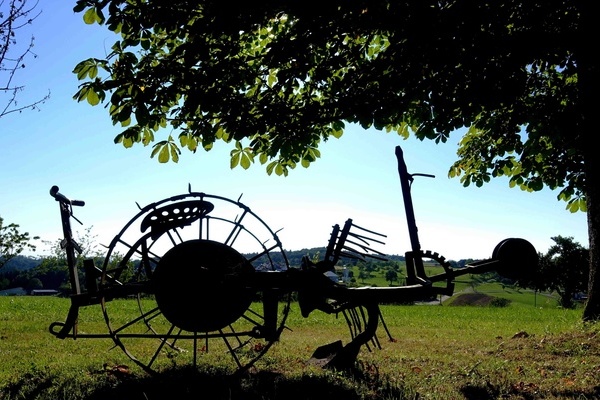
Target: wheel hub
(201, 285)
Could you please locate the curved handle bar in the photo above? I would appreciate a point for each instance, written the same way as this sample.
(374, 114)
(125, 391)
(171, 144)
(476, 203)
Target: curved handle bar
(404, 174)
(63, 199)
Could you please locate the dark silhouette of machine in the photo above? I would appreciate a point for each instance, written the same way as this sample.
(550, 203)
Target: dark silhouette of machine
(196, 276)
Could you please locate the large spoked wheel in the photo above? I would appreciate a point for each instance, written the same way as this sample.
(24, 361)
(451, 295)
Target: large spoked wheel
(179, 285)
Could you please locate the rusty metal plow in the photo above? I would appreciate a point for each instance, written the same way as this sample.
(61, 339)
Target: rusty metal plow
(197, 276)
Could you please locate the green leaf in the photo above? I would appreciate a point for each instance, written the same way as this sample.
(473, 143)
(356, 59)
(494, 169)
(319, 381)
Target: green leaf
(155, 151)
(245, 161)
(279, 169)
(163, 156)
(99, 15)
(263, 158)
(124, 113)
(82, 69)
(125, 123)
(148, 137)
(235, 160)
(127, 142)
(92, 97)
(272, 80)
(174, 152)
(90, 16)
(576, 205)
(81, 94)
(80, 6)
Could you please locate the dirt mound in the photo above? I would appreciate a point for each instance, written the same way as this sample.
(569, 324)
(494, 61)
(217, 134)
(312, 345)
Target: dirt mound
(472, 299)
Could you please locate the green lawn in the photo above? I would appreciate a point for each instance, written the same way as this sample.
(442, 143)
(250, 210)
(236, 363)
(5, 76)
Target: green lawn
(437, 352)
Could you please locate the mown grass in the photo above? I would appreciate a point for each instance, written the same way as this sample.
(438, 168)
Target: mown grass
(437, 352)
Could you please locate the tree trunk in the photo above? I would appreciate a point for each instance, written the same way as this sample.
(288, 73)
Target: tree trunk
(592, 307)
(588, 72)
(591, 311)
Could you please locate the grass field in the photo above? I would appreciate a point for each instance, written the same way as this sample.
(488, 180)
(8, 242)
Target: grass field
(528, 350)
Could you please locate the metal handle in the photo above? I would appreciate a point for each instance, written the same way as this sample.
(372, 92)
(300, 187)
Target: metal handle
(54, 192)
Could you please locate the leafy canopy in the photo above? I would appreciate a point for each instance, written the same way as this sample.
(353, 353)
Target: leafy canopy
(277, 78)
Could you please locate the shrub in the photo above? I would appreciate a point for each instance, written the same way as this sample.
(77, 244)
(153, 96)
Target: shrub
(499, 302)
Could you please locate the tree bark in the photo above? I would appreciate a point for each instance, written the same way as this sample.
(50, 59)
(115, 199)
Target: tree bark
(588, 72)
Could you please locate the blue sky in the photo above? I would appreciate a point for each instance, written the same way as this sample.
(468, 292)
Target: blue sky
(70, 145)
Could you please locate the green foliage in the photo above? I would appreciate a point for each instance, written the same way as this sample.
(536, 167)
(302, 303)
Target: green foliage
(499, 302)
(277, 79)
(281, 79)
(33, 284)
(391, 276)
(13, 242)
(564, 269)
(51, 271)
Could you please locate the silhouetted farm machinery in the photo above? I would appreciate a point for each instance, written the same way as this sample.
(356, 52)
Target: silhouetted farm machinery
(198, 296)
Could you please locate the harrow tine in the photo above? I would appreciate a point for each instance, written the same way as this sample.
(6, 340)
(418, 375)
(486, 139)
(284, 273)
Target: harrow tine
(358, 249)
(368, 230)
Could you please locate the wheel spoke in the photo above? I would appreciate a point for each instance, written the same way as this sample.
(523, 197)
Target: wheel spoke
(231, 350)
(237, 228)
(264, 252)
(159, 348)
(143, 317)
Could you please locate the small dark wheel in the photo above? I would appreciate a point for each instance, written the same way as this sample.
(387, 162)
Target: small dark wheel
(518, 258)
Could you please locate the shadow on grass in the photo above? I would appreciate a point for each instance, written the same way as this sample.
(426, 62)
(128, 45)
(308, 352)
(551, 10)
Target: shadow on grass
(525, 392)
(188, 383)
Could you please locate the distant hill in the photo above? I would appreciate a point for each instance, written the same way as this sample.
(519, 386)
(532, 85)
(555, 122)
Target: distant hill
(20, 263)
(23, 263)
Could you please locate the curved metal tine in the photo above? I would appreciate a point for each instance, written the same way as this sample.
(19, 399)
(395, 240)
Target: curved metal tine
(348, 322)
(356, 322)
(365, 239)
(364, 321)
(385, 327)
(364, 242)
(367, 251)
(368, 230)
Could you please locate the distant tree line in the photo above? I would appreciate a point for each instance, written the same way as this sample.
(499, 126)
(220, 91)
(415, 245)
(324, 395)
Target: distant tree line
(563, 269)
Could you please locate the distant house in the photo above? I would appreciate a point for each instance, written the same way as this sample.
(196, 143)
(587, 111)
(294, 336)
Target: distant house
(18, 291)
(44, 292)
